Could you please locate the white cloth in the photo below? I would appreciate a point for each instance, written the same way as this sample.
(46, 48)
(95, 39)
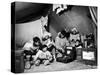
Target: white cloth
(46, 34)
(75, 37)
(29, 46)
(44, 20)
(48, 42)
(43, 55)
(61, 42)
(59, 7)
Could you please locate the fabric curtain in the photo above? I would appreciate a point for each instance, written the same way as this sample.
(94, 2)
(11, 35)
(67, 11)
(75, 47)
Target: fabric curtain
(93, 12)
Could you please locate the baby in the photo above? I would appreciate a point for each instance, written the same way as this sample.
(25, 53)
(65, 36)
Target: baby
(43, 56)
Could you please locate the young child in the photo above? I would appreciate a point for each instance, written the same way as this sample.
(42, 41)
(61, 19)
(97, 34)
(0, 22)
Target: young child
(43, 56)
(48, 41)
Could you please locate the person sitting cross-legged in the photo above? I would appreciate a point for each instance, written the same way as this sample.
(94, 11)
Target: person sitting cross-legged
(61, 42)
(43, 56)
(65, 53)
(31, 48)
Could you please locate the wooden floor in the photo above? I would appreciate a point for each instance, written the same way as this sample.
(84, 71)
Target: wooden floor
(56, 66)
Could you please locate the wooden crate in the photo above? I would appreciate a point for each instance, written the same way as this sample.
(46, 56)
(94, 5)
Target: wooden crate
(89, 56)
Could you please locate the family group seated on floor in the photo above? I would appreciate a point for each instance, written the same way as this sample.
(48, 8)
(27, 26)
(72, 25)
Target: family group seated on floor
(46, 51)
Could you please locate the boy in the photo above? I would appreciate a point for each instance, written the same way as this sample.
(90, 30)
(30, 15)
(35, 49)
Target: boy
(43, 56)
(31, 48)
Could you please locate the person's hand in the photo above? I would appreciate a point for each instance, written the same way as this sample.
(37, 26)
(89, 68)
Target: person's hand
(60, 50)
(31, 49)
(50, 58)
(49, 45)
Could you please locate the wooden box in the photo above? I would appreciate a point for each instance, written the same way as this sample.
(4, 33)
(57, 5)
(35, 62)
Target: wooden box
(89, 56)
